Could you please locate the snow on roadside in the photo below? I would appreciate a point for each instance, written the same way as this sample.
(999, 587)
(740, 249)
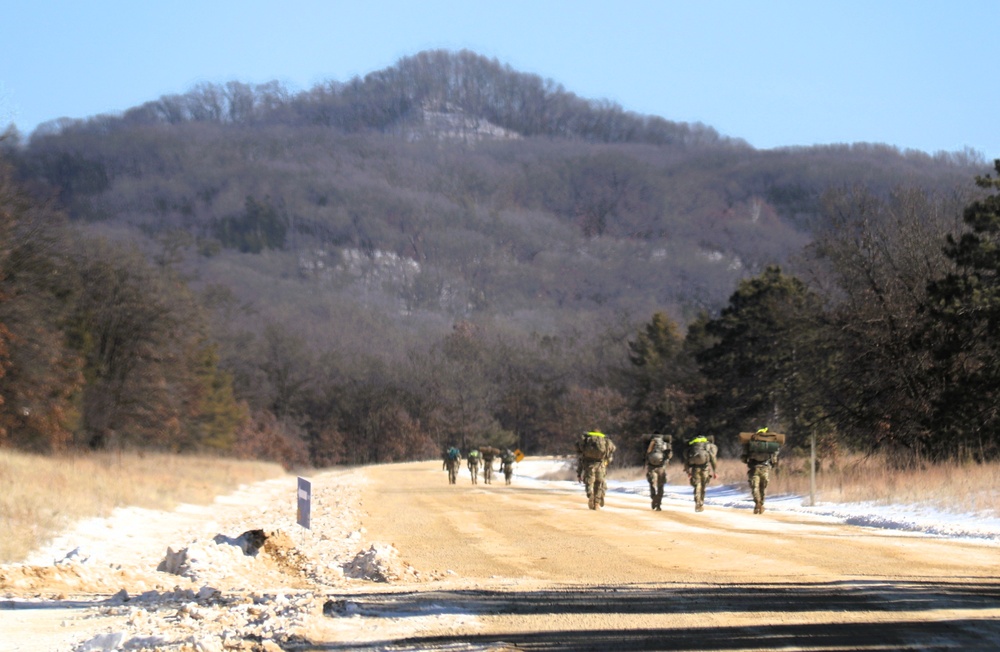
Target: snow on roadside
(239, 574)
(924, 519)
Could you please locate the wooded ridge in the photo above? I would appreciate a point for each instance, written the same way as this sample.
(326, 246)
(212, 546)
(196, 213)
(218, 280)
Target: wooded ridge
(449, 250)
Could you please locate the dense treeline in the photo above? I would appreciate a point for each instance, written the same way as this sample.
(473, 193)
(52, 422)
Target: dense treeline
(451, 251)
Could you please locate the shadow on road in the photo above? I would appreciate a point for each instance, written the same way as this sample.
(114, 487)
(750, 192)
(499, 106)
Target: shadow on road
(939, 635)
(839, 597)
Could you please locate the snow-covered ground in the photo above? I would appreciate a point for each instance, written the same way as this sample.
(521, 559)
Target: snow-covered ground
(909, 518)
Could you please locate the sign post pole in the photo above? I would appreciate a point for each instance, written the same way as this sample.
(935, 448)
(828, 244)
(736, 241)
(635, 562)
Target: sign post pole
(304, 502)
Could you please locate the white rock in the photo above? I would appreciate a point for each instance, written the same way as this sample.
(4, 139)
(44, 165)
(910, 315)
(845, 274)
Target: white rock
(103, 643)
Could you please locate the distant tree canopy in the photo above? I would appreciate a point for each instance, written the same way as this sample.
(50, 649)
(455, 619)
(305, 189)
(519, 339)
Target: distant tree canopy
(97, 347)
(260, 227)
(964, 334)
(39, 377)
(436, 81)
(450, 251)
(755, 368)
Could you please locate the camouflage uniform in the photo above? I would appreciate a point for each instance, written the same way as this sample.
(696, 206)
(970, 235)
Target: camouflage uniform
(758, 475)
(656, 474)
(473, 462)
(593, 472)
(452, 465)
(699, 474)
(488, 454)
(507, 466)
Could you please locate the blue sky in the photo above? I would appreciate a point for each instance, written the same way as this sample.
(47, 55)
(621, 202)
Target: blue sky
(914, 74)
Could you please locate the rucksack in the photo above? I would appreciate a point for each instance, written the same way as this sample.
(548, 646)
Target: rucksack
(593, 447)
(508, 457)
(473, 455)
(658, 455)
(761, 446)
(768, 447)
(697, 453)
(453, 453)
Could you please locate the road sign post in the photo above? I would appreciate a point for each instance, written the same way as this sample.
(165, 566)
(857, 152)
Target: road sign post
(304, 502)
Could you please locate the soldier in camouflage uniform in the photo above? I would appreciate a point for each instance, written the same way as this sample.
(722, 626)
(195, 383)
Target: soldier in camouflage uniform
(758, 472)
(473, 462)
(507, 465)
(699, 456)
(488, 453)
(452, 462)
(591, 467)
(658, 454)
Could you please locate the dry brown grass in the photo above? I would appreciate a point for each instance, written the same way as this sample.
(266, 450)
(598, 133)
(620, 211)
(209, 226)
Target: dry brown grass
(41, 496)
(953, 487)
(950, 486)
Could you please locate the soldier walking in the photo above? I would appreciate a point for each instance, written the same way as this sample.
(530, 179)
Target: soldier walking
(507, 465)
(699, 456)
(452, 461)
(760, 454)
(488, 453)
(473, 462)
(594, 452)
(658, 454)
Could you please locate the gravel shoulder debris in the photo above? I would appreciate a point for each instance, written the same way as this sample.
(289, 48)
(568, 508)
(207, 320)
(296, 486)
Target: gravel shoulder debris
(238, 574)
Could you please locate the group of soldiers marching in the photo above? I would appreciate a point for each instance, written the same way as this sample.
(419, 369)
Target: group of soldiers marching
(595, 451)
(483, 456)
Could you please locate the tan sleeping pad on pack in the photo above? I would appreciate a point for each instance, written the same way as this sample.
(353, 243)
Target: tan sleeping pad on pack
(764, 436)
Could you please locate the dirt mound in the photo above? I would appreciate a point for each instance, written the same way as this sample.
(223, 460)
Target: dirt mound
(75, 573)
(381, 563)
(202, 561)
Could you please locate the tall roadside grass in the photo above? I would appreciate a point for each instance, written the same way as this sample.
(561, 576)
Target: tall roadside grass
(41, 496)
(952, 487)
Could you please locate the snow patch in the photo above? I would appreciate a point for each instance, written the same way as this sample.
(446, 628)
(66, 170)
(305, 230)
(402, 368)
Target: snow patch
(905, 518)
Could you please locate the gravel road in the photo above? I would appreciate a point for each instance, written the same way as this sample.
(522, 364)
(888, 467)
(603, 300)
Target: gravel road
(398, 559)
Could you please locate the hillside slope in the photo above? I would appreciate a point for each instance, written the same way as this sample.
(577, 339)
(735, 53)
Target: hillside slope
(454, 186)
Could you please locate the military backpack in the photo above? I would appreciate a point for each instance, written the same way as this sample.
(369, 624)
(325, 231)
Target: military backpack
(593, 447)
(657, 455)
(762, 446)
(697, 453)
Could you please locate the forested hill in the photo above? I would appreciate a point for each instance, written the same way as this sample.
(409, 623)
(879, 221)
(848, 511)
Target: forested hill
(492, 190)
(335, 234)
